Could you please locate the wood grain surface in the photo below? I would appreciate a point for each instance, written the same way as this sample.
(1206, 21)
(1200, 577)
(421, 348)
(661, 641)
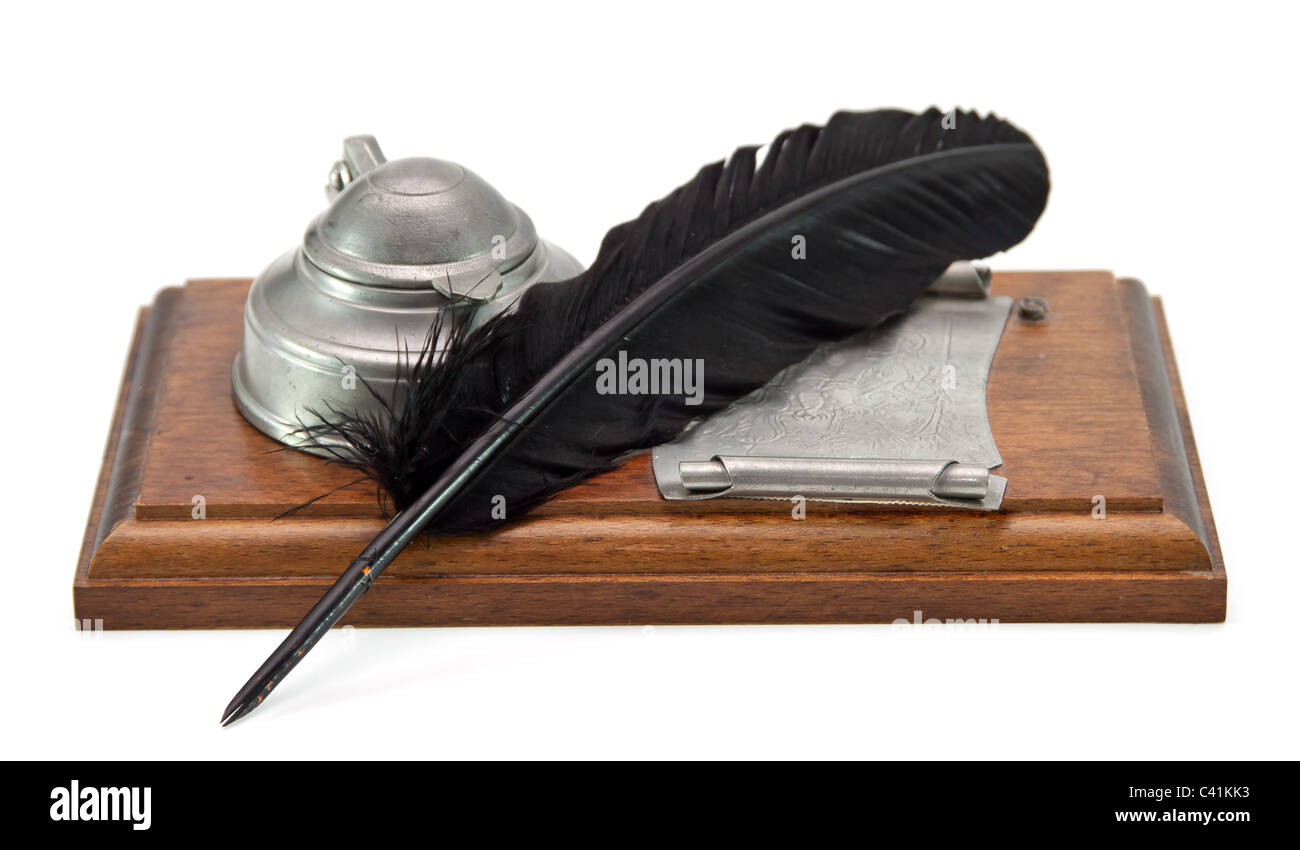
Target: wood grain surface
(1063, 401)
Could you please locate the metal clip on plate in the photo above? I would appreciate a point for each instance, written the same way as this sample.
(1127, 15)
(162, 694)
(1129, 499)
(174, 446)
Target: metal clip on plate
(945, 482)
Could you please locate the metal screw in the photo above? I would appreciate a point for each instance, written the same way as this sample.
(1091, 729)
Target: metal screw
(1032, 308)
(340, 176)
(360, 155)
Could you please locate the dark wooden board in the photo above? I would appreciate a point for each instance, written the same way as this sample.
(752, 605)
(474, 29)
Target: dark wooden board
(1082, 405)
(1063, 401)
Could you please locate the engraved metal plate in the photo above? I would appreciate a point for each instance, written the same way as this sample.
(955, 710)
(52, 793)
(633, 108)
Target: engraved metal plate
(911, 390)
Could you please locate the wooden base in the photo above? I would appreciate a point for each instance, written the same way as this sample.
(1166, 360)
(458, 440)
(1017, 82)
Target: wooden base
(1086, 404)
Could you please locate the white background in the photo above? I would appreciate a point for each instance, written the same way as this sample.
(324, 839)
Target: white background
(144, 145)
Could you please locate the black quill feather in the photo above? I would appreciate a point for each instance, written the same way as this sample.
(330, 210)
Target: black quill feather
(884, 202)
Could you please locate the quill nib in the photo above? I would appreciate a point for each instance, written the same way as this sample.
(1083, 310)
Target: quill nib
(234, 711)
(336, 602)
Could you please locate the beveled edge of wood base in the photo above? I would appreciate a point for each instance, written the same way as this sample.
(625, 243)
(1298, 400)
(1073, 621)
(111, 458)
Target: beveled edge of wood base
(1183, 480)
(94, 533)
(1013, 542)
